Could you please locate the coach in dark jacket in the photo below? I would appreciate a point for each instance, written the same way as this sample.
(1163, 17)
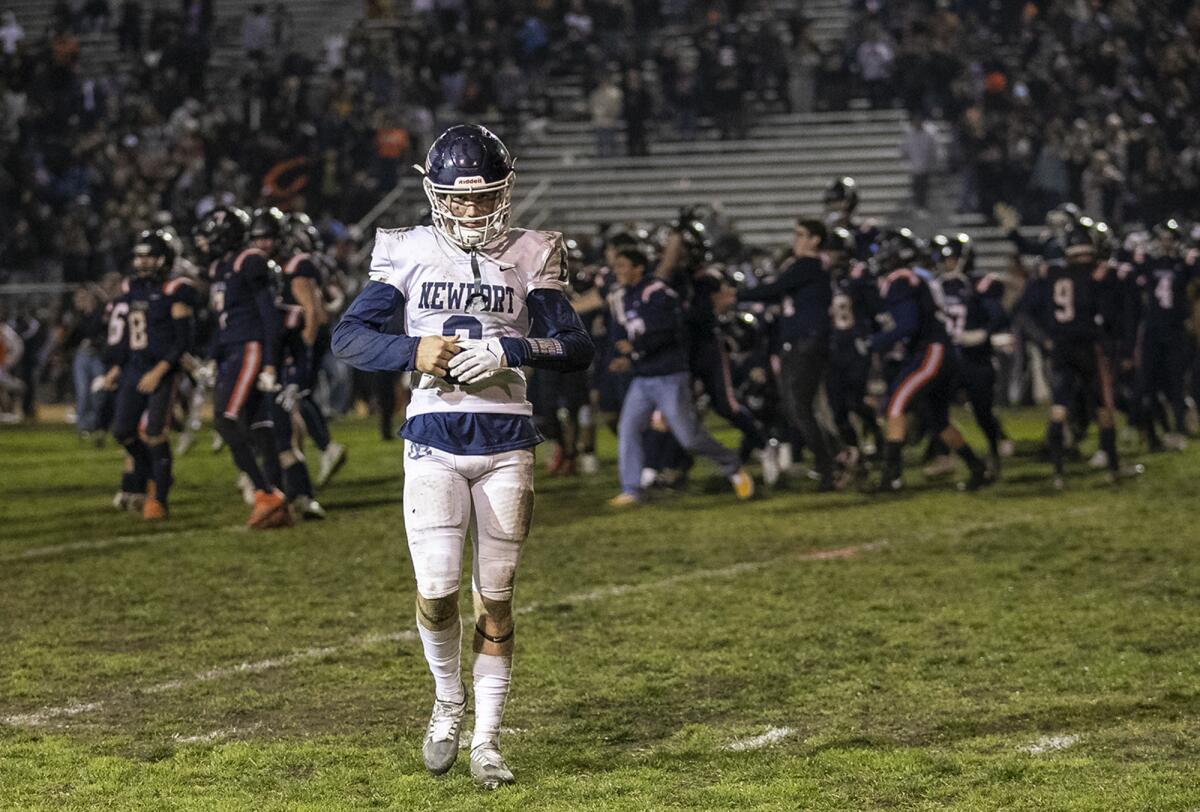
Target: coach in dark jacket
(805, 293)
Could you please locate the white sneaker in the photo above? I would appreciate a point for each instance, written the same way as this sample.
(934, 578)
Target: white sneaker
(771, 469)
(1007, 449)
(488, 767)
(649, 475)
(1175, 442)
(940, 466)
(307, 508)
(440, 748)
(247, 488)
(589, 464)
(1099, 459)
(332, 459)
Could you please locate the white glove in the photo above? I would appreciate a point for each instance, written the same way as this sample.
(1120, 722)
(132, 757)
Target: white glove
(477, 360)
(267, 382)
(99, 383)
(288, 397)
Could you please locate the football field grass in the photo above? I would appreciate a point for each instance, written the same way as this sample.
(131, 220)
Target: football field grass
(1014, 649)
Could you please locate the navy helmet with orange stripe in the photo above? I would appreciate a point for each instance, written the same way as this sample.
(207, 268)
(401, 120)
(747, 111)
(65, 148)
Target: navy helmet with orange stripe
(897, 248)
(154, 253)
(220, 231)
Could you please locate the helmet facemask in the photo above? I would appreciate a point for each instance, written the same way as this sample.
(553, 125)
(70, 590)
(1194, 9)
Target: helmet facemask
(471, 231)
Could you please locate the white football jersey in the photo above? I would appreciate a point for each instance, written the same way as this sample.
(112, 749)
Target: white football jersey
(441, 299)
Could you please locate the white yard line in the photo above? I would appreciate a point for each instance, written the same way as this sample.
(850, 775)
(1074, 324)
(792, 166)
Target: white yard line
(43, 716)
(1048, 743)
(214, 735)
(772, 736)
(617, 590)
(117, 541)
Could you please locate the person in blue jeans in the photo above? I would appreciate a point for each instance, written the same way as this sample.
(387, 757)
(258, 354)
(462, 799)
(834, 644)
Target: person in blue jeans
(650, 342)
(88, 336)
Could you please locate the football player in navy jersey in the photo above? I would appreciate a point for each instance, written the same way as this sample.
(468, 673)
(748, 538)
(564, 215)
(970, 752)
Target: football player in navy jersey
(853, 309)
(481, 300)
(302, 237)
(841, 202)
(1163, 275)
(298, 283)
(913, 323)
(150, 328)
(974, 312)
(1070, 305)
(246, 353)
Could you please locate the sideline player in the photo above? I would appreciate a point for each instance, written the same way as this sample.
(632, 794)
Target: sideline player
(151, 326)
(481, 300)
(249, 331)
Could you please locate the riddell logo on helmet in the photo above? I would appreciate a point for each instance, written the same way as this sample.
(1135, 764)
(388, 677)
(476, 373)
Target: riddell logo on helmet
(473, 180)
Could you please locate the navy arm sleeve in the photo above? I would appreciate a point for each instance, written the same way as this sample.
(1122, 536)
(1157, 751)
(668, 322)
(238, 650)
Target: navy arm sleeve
(359, 338)
(557, 338)
(791, 279)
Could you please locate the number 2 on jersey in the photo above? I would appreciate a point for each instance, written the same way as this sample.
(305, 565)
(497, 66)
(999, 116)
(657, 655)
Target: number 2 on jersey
(458, 325)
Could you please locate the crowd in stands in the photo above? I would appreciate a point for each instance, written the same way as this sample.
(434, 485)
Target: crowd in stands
(1050, 101)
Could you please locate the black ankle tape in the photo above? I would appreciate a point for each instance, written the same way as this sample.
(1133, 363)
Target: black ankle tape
(504, 638)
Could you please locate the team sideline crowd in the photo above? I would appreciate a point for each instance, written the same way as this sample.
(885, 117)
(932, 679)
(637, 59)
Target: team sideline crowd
(838, 351)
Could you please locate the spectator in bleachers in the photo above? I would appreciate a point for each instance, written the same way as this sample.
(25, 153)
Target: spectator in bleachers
(256, 33)
(605, 106)
(921, 150)
(875, 57)
(11, 33)
(637, 109)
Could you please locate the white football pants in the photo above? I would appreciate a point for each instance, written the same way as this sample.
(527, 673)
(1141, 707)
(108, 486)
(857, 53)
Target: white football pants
(444, 495)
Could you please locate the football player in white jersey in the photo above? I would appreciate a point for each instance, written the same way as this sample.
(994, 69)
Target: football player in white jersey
(480, 301)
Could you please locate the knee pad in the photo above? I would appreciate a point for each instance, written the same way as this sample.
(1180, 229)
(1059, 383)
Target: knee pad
(436, 507)
(438, 613)
(506, 510)
(496, 613)
(432, 500)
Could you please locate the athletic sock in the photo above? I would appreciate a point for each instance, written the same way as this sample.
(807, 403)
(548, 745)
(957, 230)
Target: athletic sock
(967, 455)
(161, 456)
(1108, 441)
(264, 444)
(315, 423)
(296, 481)
(443, 653)
(1054, 438)
(893, 463)
(493, 674)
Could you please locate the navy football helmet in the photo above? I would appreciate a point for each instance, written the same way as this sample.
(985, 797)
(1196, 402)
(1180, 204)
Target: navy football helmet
(898, 248)
(154, 253)
(221, 230)
(300, 235)
(468, 163)
(1079, 247)
(953, 246)
(842, 195)
(266, 224)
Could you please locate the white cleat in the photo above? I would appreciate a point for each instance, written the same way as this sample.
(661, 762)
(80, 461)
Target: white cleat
(217, 443)
(589, 464)
(1099, 460)
(247, 488)
(332, 459)
(940, 466)
(488, 767)
(187, 438)
(440, 748)
(1007, 449)
(1175, 442)
(771, 470)
(307, 508)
